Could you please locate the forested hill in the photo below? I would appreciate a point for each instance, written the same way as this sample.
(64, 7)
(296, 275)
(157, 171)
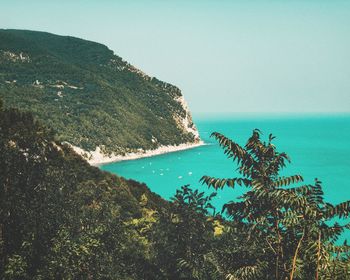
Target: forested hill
(61, 218)
(90, 96)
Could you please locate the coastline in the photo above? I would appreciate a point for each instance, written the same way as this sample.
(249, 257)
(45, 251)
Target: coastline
(97, 158)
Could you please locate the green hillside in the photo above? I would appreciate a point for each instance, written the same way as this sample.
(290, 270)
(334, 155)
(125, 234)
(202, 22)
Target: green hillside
(90, 96)
(61, 218)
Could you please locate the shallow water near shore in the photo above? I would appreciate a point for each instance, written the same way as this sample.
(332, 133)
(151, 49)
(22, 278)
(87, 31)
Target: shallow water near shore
(318, 146)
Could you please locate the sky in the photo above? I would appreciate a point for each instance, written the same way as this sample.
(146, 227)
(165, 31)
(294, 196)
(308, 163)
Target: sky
(226, 56)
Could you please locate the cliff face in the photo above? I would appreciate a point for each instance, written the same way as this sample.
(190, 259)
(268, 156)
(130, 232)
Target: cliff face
(91, 97)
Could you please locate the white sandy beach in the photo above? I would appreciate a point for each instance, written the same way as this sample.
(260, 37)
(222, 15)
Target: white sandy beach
(97, 158)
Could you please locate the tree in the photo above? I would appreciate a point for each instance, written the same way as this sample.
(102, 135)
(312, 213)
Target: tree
(185, 236)
(287, 220)
(61, 218)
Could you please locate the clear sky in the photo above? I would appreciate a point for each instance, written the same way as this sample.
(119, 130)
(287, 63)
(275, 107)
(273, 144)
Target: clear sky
(226, 56)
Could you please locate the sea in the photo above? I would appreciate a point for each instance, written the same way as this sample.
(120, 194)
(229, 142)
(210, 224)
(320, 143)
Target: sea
(318, 146)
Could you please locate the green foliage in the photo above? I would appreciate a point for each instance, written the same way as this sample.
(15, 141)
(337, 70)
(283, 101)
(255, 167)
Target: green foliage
(88, 95)
(61, 218)
(291, 225)
(185, 236)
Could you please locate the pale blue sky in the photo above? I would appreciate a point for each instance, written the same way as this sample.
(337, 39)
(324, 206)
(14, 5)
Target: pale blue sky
(228, 56)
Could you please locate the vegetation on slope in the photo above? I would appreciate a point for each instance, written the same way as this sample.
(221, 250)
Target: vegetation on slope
(90, 96)
(63, 219)
(294, 226)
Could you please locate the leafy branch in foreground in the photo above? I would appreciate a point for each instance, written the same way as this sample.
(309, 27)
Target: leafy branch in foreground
(293, 224)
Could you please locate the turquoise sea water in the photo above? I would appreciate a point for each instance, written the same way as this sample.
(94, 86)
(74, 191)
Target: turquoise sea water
(319, 147)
